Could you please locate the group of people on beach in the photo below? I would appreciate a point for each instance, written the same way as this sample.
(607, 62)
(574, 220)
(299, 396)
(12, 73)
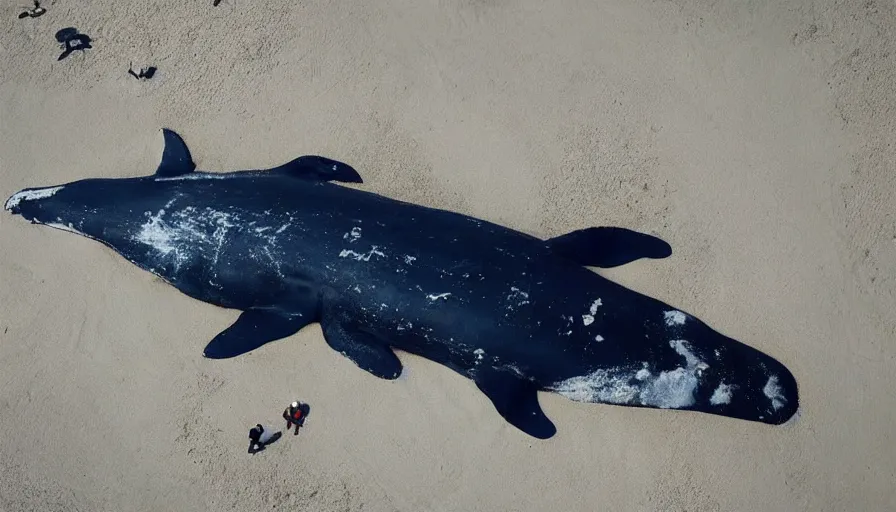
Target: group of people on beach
(261, 436)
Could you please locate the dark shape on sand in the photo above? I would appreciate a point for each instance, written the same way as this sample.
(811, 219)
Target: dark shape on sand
(144, 73)
(70, 40)
(516, 314)
(35, 12)
(260, 438)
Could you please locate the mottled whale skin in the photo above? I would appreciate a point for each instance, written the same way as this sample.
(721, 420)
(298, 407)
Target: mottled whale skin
(516, 314)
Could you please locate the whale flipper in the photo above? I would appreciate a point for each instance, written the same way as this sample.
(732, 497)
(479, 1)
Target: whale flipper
(363, 349)
(318, 168)
(516, 400)
(607, 247)
(176, 158)
(254, 328)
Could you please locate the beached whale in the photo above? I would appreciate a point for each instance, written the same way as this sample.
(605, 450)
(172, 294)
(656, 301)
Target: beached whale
(514, 313)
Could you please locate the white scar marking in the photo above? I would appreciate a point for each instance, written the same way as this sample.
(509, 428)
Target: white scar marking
(722, 395)
(409, 259)
(30, 195)
(674, 318)
(673, 389)
(588, 318)
(479, 352)
(157, 234)
(520, 297)
(598, 338)
(200, 176)
(282, 228)
(773, 391)
(64, 227)
(437, 297)
(347, 253)
(353, 235)
(186, 234)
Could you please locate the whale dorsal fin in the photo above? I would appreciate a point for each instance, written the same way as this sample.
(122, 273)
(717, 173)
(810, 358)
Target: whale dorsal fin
(176, 159)
(318, 168)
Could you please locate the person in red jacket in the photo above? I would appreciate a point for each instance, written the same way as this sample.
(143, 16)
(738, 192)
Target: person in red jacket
(295, 414)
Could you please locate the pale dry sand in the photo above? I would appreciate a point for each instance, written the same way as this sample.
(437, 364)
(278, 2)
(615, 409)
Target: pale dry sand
(756, 137)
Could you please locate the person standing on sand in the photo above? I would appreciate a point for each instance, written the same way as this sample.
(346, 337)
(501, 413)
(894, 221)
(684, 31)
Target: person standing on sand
(295, 414)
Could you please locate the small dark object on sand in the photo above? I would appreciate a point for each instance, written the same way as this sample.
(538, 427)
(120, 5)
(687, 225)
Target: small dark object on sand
(216, 2)
(71, 40)
(296, 414)
(33, 13)
(146, 73)
(261, 437)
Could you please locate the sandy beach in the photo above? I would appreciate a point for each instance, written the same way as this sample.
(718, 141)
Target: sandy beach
(757, 138)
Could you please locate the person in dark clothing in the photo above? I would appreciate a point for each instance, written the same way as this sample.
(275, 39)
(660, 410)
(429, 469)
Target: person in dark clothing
(261, 437)
(295, 414)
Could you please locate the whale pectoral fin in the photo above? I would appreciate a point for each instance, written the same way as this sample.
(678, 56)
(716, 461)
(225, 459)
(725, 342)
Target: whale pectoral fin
(318, 168)
(363, 349)
(516, 401)
(253, 329)
(176, 159)
(608, 247)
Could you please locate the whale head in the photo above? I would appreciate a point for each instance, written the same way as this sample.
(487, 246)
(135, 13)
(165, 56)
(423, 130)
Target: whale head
(96, 208)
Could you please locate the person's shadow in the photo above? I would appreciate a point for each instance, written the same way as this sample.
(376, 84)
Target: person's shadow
(70, 40)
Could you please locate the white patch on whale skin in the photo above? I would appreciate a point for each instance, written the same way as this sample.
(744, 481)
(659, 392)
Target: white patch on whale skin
(30, 195)
(598, 338)
(674, 318)
(434, 298)
(409, 259)
(186, 234)
(157, 234)
(672, 389)
(588, 318)
(722, 395)
(201, 176)
(681, 346)
(516, 295)
(479, 353)
(773, 392)
(348, 253)
(609, 386)
(69, 228)
(353, 235)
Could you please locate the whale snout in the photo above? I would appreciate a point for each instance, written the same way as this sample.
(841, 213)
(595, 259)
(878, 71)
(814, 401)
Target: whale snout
(762, 390)
(781, 396)
(21, 200)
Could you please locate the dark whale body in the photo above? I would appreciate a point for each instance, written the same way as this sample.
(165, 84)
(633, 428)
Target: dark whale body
(514, 313)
